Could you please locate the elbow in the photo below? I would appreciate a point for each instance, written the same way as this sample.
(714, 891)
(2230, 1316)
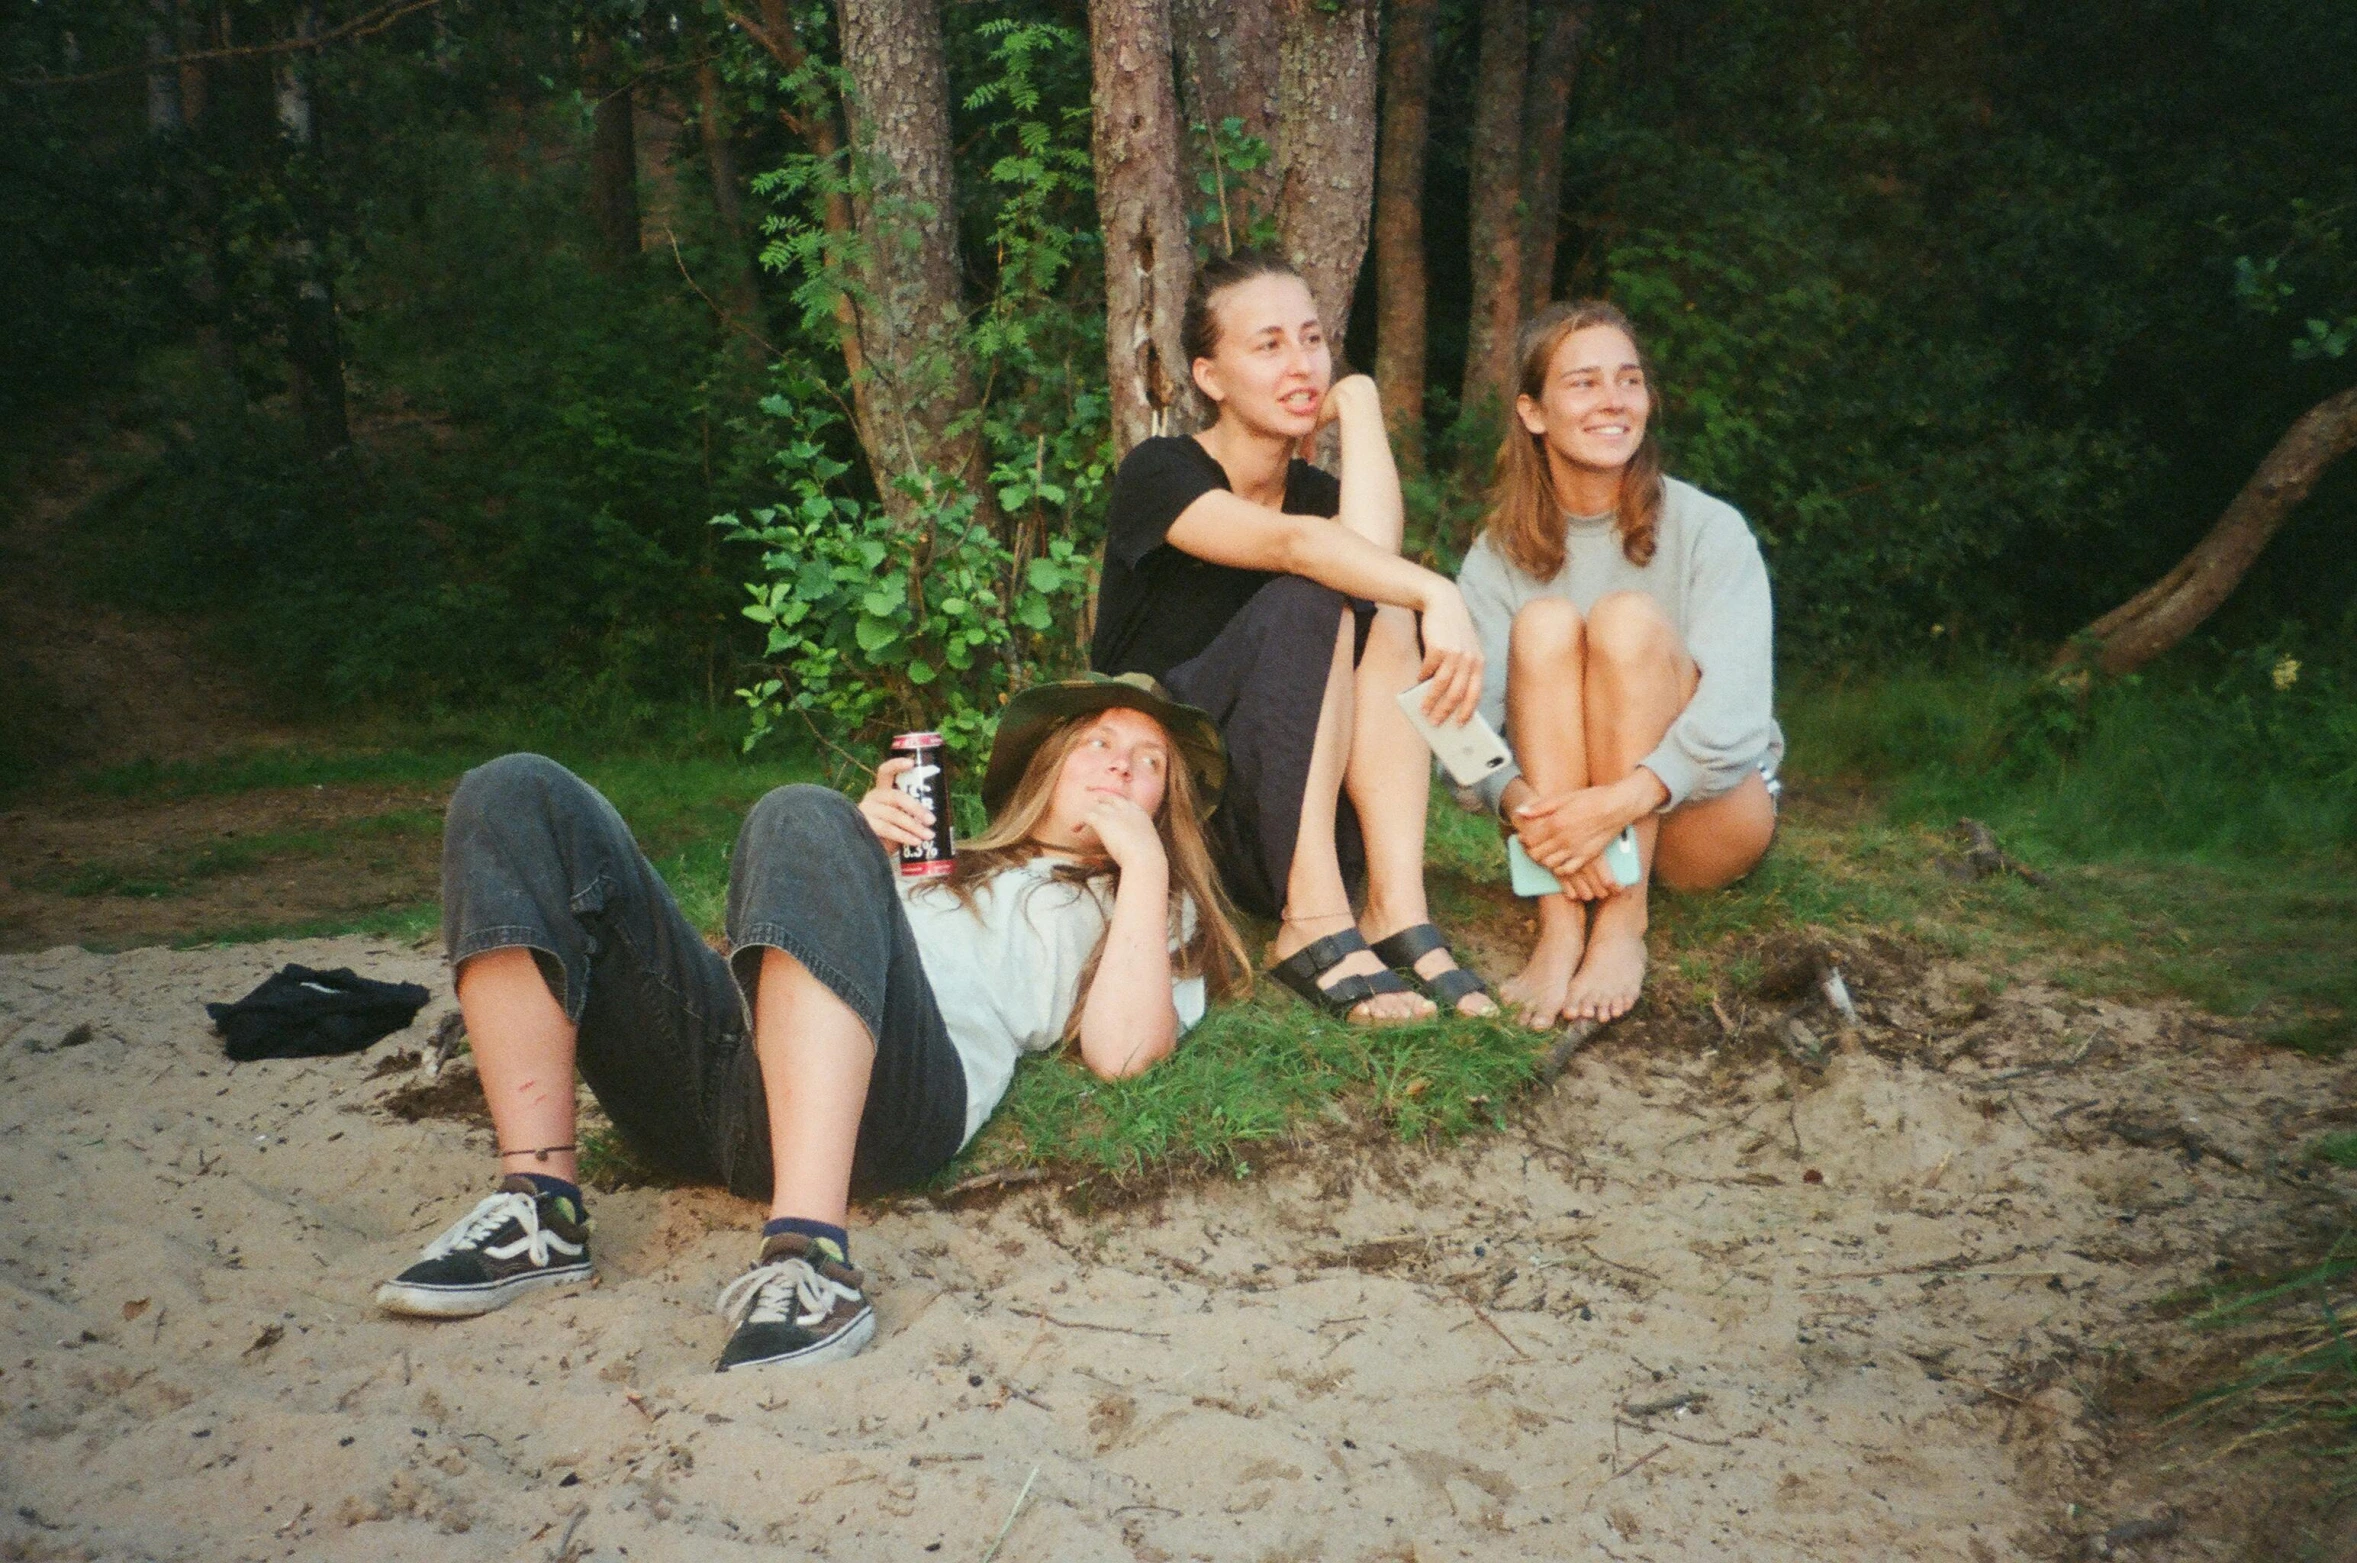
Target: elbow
(1127, 1057)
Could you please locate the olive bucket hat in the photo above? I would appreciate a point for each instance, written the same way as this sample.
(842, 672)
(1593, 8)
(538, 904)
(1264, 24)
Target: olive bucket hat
(1038, 711)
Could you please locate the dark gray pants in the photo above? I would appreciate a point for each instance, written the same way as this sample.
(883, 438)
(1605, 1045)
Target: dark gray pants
(1263, 680)
(534, 858)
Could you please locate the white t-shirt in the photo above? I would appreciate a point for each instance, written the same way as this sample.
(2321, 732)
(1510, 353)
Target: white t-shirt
(1007, 974)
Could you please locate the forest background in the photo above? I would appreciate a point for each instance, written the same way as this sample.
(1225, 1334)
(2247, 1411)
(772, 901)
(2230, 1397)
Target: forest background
(622, 359)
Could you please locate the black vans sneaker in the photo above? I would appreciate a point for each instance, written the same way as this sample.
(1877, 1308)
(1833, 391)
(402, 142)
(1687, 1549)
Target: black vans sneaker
(516, 1241)
(798, 1305)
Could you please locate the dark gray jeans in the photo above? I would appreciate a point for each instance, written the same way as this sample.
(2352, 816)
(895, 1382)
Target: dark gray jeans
(534, 858)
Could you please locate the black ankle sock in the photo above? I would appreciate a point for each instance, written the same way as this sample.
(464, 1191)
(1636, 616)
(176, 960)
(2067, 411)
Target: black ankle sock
(556, 1186)
(819, 1230)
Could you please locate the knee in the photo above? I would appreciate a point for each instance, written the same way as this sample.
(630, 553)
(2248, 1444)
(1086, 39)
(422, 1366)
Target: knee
(510, 790)
(1547, 631)
(1629, 627)
(803, 808)
(802, 825)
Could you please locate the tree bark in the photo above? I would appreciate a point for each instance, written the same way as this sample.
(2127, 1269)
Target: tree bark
(2165, 612)
(315, 352)
(1546, 110)
(1399, 225)
(1325, 158)
(1228, 57)
(815, 125)
(613, 155)
(1147, 258)
(740, 298)
(911, 303)
(163, 78)
(1496, 230)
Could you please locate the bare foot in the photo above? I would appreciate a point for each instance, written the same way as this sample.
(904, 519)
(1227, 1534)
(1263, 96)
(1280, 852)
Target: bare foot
(1535, 995)
(1383, 1008)
(1609, 979)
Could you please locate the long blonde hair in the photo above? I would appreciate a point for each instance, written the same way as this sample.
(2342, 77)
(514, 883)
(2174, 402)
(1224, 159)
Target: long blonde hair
(1212, 949)
(1526, 516)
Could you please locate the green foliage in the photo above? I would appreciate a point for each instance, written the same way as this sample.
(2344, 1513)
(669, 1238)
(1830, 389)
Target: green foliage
(933, 618)
(1229, 149)
(877, 625)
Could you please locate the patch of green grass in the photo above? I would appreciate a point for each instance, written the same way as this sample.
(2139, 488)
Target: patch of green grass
(1252, 1074)
(2198, 828)
(177, 873)
(2339, 1149)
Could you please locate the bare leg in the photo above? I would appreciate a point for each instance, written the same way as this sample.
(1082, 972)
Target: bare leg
(1316, 901)
(1546, 722)
(1389, 779)
(523, 1047)
(1718, 841)
(1639, 678)
(816, 1056)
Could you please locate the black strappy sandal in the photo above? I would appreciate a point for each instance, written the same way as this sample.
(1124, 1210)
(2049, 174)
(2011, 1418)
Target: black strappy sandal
(1404, 949)
(1301, 970)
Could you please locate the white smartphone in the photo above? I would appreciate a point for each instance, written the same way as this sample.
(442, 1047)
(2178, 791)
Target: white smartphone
(1620, 861)
(1469, 750)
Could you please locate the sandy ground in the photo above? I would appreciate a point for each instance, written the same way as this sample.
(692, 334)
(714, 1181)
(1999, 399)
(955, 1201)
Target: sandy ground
(1700, 1302)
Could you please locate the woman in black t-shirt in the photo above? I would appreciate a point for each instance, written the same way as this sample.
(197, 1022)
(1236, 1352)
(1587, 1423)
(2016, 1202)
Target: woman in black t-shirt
(1263, 590)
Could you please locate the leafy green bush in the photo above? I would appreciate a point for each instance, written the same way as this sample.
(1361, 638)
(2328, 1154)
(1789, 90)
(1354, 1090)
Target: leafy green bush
(874, 625)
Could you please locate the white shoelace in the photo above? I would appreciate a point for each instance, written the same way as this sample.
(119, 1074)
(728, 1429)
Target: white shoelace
(488, 1217)
(770, 1293)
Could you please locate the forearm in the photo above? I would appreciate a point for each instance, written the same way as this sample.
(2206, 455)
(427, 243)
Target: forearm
(1371, 504)
(1631, 798)
(1334, 555)
(1129, 1022)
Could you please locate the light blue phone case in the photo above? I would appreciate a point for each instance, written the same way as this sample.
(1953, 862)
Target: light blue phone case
(1620, 861)
(1529, 878)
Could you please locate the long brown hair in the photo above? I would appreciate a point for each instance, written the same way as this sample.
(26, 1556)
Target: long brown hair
(1212, 950)
(1526, 517)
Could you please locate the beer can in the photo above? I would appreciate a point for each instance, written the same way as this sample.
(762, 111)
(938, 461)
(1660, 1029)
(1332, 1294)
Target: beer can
(927, 781)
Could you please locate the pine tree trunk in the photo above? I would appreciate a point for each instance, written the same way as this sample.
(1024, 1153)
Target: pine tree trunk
(315, 353)
(911, 302)
(1546, 109)
(815, 126)
(739, 301)
(1495, 234)
(1399, 225)
(204, 272)
(1147, 259)
(1326, 149)
(613, 155)
(163, 81)
(1228, 54)
(2165, 612)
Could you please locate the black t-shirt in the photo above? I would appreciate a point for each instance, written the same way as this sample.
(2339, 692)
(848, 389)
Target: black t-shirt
(1159, 605)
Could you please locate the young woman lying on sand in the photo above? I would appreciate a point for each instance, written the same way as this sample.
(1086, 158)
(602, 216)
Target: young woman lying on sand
(1627, 624)
(1258, 587)
(866, 1024)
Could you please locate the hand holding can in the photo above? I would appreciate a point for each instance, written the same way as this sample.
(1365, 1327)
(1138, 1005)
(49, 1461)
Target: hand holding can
(926, 781)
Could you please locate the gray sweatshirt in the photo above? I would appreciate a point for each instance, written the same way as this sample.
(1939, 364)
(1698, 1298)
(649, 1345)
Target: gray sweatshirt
(1709, 580)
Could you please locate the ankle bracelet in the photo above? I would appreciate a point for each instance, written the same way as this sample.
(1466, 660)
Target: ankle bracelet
(538, 1153)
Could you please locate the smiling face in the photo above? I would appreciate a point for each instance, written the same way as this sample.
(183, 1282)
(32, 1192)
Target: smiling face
(1591, 411)
(1271, 366)
(1121, 754)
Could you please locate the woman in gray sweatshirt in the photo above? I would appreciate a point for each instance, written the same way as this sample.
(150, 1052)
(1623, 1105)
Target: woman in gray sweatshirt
(1626, 627)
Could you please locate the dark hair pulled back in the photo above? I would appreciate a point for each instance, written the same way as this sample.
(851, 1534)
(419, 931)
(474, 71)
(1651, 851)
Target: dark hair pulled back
(1198, 325)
